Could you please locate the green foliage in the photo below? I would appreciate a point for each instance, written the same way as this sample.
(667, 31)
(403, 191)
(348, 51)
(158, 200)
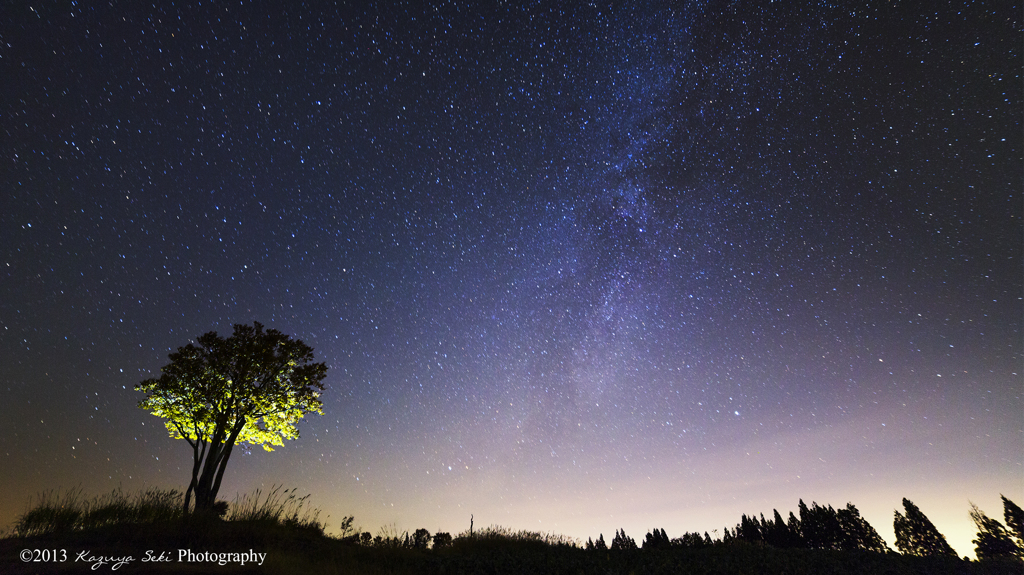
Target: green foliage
(250, 388)
(263, 381)
(916, 535)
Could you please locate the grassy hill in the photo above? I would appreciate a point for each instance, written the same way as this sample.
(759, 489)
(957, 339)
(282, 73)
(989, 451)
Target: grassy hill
(274, 534)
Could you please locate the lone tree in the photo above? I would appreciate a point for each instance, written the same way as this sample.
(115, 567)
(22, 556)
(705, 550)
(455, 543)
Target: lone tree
(250, 388)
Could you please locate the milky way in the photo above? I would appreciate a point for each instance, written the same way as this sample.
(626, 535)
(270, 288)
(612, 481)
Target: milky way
(573, 268)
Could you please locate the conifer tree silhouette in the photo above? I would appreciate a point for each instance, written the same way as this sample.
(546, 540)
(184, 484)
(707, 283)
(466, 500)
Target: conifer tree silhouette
(808, 529)
(857, 533)
(1014, 523)
(819, 526)
(993, 540)
(657, 539)
(778, 534)
(916, 535)
(623, 542)
(794, 529)
(749, 530)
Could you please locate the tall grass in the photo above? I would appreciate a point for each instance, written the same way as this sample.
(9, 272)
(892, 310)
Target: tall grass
(65, 511)
(501, 534)
(279, 506)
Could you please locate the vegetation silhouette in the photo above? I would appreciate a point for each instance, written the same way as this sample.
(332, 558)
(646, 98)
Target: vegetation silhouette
(57, 512)
(1014, 517)
(249, 388)
(283, 525)
(916, 535)
(623, 542)
(994, 541)
(817, 528)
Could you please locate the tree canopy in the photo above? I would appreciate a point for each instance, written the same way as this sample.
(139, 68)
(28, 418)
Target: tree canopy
(818, 528)
(1014, 523)
(994, 541)
(917, 535)
(251, 388)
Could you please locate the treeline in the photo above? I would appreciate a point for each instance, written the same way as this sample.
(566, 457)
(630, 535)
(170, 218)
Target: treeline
(820, 527)
(816, 527)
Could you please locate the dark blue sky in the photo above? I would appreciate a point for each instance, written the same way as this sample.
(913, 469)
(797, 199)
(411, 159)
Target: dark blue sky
(573, 268)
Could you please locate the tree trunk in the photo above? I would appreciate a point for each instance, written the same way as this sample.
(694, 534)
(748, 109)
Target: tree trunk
(208, 484)
(205, 493)
(188, 495)
(225, 455)
(197, 459)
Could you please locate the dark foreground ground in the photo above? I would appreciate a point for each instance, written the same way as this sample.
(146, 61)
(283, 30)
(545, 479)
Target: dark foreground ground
(134, 550)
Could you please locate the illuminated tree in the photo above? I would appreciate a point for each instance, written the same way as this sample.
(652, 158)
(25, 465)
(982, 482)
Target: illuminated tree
(250, 388)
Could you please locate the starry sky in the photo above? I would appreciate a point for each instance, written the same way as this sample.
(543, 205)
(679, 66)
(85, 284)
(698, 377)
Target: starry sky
(573, 267)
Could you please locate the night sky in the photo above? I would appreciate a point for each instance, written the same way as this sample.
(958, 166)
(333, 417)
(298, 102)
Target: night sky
(573, 268)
